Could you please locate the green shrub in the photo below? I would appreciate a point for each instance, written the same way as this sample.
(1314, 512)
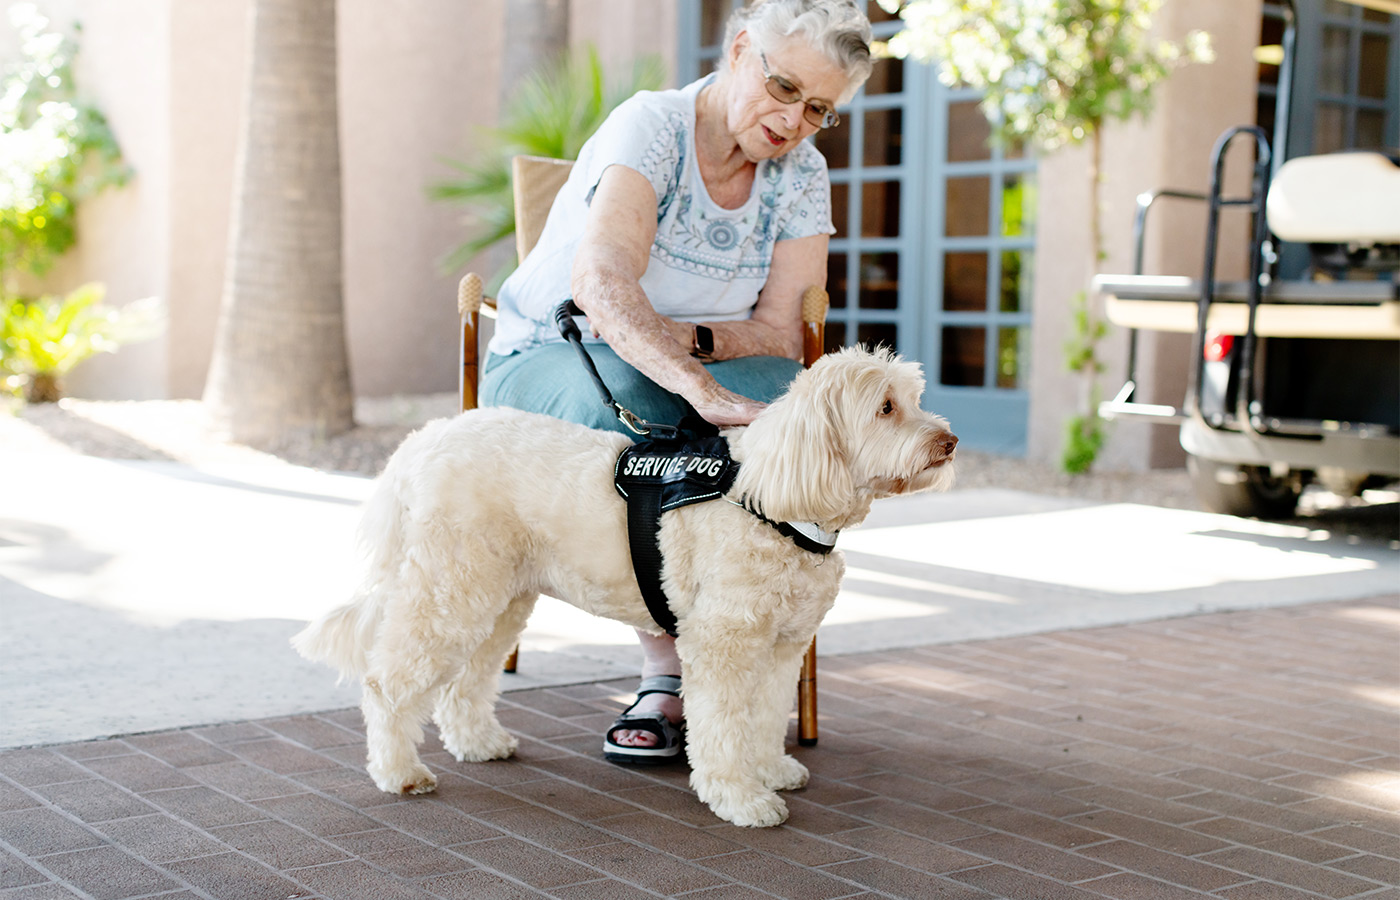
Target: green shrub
(42, 340)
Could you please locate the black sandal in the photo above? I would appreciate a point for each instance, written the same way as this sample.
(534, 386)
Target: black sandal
(669, 736)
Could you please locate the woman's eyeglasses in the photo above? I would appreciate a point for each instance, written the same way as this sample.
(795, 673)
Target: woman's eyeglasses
(782, 90)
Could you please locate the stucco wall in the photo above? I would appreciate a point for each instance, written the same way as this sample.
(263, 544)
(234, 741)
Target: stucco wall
(1172, 149)
(414, 86)
(624, 29)
(208, 42)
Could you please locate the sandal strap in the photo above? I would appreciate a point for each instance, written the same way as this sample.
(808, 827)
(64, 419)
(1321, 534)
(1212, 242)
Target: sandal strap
(659, 684)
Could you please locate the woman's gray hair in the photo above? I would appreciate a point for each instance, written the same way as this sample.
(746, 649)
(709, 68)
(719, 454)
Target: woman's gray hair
(837, 29)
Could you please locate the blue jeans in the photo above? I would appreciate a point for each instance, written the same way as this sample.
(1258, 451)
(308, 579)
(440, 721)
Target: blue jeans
(552, 380)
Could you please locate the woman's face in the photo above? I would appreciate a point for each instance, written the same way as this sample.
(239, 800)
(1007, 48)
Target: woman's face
(764, 127)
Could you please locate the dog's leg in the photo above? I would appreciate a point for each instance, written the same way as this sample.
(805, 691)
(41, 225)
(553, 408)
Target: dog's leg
(735, 723)
(407, 664)
(466, 707)
(416, 650)
(776, 767)
(394, 715)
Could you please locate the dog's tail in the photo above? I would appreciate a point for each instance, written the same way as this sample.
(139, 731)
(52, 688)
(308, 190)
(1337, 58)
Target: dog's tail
(344, 636)
(341, 638)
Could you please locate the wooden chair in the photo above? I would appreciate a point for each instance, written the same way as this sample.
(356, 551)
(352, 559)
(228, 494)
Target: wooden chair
(536, 181)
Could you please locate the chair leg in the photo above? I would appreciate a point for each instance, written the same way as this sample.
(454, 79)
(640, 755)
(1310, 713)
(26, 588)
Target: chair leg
(807, 699)
(511, 660)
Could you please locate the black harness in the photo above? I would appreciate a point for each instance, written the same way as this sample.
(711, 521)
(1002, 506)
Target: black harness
(676, 466)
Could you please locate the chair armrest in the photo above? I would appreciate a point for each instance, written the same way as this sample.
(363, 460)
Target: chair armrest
(814, 306)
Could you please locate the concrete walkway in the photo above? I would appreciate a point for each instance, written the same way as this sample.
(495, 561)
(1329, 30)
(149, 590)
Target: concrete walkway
(139, 596)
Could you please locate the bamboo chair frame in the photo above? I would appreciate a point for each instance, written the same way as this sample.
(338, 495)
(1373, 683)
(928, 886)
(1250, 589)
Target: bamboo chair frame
(536, 180)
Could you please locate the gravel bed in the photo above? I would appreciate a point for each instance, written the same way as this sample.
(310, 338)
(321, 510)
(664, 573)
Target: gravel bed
(177, 430)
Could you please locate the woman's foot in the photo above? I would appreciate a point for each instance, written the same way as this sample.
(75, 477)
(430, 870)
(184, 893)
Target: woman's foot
(668, 705)
(659, 658)
(646, 733)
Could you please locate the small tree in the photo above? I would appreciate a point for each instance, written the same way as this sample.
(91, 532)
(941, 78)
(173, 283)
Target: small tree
(1053, 72)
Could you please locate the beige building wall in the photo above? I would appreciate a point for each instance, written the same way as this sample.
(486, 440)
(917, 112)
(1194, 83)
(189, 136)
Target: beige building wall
(625, 29)
(1170, 150)
(208, 43)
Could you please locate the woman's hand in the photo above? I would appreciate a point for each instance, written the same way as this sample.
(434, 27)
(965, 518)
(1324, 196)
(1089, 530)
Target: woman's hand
(729, 409)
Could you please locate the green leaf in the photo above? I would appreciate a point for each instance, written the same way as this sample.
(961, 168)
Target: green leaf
(55, 149)
(1053, 71)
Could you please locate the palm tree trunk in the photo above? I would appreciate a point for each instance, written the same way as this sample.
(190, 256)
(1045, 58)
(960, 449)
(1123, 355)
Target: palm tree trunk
(280, 364)
(537, 31)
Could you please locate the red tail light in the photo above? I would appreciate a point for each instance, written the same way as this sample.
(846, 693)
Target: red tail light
(1218, 346)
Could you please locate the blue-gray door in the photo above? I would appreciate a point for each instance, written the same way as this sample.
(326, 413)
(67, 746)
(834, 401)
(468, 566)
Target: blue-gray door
(934, 235)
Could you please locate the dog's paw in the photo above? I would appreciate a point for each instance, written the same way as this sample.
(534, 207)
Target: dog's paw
(480, 746)
(747, 805)
(757, 811)
(415, 780)
(784, 774)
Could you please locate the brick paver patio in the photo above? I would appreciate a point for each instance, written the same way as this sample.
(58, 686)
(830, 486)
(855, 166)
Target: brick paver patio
(1248, 756)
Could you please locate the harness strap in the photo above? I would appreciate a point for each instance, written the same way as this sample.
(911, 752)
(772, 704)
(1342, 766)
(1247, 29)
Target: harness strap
(644, 539)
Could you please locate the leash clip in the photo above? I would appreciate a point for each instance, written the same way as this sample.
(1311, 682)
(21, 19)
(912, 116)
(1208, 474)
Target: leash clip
(639, 426)
(630, 419)
(568, 329)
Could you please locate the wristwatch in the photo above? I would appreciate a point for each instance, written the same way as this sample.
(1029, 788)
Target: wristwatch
(702, 344)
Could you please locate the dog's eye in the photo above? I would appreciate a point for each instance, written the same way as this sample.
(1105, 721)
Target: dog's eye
(887, 408)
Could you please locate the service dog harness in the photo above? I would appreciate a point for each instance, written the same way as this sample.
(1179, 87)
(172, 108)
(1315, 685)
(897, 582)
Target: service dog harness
(677, 466)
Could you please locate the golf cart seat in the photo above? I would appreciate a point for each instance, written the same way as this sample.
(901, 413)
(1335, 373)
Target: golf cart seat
(1337, 198)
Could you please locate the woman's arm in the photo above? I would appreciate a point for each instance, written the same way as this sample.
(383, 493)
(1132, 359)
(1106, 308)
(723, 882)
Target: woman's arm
(775, 329)
(606, 281)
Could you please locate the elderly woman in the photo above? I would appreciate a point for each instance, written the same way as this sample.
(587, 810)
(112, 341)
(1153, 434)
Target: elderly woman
(687, 232)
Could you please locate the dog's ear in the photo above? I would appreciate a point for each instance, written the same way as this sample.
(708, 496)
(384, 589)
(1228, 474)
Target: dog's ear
(794, 457)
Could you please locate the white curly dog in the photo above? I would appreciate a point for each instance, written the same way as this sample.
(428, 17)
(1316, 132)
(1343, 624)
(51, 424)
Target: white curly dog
(476, 515)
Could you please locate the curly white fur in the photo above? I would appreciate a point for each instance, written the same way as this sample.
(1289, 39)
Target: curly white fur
(475, 516)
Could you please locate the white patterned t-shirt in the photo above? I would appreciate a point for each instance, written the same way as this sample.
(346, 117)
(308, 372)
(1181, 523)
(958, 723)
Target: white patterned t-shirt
(707, 263)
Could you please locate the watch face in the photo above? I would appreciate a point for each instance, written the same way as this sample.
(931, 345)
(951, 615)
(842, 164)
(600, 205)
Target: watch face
(704, 340)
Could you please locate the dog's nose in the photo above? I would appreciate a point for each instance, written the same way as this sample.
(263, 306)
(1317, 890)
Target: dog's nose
(949, 443)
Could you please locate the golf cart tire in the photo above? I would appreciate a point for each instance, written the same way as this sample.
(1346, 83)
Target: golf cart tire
(1240, 490)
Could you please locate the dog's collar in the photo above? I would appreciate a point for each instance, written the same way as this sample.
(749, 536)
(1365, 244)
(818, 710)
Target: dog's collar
(808, 535)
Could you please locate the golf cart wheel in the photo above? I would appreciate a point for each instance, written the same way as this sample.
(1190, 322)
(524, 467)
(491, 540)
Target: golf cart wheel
(1249, 491)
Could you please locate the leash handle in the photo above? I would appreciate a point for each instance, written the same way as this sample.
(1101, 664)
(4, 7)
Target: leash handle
(564, 318)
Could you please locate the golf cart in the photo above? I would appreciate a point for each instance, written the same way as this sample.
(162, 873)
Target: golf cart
(1295, 379)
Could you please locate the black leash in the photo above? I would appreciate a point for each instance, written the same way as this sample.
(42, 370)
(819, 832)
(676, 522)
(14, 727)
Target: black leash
(644, 500)
(564, 318)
